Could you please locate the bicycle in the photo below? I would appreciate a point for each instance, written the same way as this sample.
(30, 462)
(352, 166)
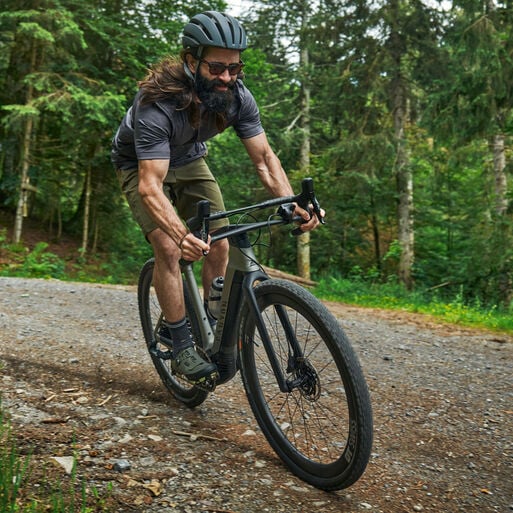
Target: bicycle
(301, 376)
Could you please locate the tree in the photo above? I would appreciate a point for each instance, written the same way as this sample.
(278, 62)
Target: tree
(35, 35)
(474, 101)
(303, 241)
(371, 98)
(291, 27)
(84, 62)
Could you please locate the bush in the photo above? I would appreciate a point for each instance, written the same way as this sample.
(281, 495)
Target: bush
(42, 264)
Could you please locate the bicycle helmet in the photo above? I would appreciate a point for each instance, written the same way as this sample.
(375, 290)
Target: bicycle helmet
(212, 28)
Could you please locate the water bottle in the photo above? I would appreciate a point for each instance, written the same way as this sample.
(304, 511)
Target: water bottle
(214, 297)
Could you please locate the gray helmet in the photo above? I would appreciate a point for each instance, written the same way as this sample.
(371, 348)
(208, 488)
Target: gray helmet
(212, 28)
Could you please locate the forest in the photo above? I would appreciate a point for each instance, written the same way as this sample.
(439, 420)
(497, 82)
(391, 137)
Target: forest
(400, 110)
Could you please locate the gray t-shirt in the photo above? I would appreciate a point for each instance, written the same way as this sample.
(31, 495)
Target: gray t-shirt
(159, 131)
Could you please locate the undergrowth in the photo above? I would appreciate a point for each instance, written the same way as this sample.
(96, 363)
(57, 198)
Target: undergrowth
(40, 263)
(393, 296)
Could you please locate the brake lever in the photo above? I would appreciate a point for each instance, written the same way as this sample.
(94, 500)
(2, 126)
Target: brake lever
(307, 198)
(200, 224)
(317, 209)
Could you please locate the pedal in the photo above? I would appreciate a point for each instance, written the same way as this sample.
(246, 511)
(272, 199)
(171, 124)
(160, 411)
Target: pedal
(207, 383)
(163, 355)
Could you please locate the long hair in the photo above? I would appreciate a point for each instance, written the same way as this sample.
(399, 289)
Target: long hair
(168, 80)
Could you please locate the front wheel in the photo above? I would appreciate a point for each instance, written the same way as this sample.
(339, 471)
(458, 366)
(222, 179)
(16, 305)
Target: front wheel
(321, 426)
(151, 319)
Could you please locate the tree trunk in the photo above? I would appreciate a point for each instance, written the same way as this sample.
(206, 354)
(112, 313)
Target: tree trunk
(21, 208)
(404, 179)
(87, 204)
(375, 234)
(86, 222)
(499, 169)
(505, 285)
(303, 241)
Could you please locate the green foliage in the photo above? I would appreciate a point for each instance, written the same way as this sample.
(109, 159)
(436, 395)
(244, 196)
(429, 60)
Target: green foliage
(42, 264)
(37, 264)
(364, 291)
(71, 68)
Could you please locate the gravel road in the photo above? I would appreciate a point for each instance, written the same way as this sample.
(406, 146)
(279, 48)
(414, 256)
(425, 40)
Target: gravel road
(76, 379)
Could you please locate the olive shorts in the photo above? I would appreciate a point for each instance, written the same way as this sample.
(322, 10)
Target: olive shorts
(184, 186)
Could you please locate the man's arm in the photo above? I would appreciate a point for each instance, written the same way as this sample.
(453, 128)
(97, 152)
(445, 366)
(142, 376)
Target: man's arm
(268, 166)
(151, 177)
(273, 176)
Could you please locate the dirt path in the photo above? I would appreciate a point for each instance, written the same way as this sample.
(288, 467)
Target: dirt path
(74, 371)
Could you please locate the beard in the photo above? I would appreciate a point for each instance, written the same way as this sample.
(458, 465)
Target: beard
(213, 100)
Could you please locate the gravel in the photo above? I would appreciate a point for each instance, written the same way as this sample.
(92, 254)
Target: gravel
(77, 382)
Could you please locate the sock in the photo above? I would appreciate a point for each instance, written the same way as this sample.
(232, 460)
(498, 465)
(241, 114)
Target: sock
(180, 335)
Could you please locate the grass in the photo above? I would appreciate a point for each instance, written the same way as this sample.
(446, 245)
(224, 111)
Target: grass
(394, 297)
(13, 469)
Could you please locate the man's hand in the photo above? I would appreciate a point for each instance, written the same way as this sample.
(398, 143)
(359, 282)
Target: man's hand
(193, 248)
(311, 221)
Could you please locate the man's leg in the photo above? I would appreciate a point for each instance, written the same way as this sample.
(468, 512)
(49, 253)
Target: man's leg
(167, 278)
(167, 281)
(214, 264)
(192, 183)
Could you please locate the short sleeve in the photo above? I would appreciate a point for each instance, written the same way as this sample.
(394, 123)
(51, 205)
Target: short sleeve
(248, 123)
(152, 133)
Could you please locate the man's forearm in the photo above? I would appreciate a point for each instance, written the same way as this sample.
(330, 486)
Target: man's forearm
(273, 177)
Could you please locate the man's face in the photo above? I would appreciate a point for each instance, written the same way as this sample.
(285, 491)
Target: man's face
(216, 91)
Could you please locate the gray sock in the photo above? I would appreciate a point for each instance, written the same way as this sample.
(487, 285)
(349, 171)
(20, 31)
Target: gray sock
(180, 335)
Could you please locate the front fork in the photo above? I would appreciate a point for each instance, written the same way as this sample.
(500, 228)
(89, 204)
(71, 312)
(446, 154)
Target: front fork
(294, 350)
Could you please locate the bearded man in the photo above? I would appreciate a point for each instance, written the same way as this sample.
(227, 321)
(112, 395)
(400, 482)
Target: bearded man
(159, 153)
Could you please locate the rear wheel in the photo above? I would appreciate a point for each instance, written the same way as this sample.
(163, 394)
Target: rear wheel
(151, 319)
(321, 427)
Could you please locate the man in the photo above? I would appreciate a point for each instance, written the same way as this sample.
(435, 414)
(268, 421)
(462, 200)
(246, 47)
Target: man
(159, 152)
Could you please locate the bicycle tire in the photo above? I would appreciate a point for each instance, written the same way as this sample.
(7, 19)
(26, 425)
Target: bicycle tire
(322, 429)
(151, 315)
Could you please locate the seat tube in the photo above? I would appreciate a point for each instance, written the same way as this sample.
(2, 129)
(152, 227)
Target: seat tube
(205, 330)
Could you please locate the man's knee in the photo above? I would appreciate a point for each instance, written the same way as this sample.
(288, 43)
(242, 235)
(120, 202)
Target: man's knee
(164, 247)
(220, 247)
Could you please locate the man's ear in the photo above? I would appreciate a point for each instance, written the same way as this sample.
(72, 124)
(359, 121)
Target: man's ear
(191, 62)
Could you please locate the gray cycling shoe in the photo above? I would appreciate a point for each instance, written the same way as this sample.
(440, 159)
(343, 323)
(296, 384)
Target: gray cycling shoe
(189, 364)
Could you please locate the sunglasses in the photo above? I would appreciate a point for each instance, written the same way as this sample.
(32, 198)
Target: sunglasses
(217, 68)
